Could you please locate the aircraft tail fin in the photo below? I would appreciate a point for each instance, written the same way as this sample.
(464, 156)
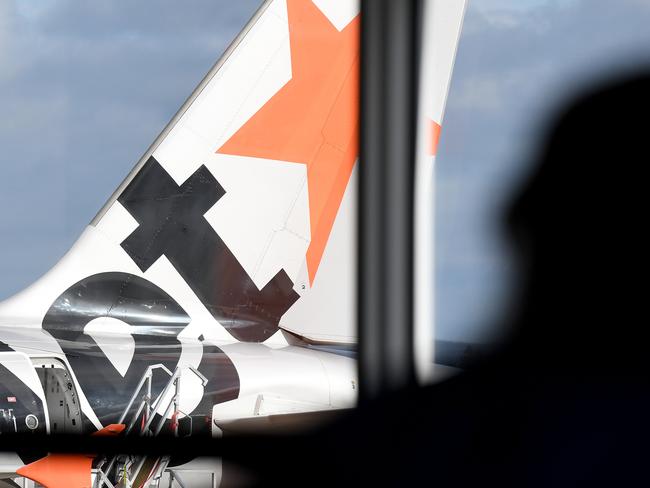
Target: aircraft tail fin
(242, 214)
(231, 212)
(443, 21)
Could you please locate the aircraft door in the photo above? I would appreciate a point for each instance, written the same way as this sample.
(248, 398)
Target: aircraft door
(61, 396)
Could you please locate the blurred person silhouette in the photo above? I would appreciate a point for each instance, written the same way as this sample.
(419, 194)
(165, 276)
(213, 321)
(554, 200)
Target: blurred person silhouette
(566, 401)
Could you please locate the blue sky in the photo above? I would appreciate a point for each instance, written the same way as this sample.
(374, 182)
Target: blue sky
(86, 86)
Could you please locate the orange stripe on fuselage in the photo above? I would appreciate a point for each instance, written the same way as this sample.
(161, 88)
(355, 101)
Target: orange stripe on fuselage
(313, 119)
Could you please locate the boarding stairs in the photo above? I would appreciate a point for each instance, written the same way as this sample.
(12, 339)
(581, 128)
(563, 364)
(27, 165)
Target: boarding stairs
(128, 471)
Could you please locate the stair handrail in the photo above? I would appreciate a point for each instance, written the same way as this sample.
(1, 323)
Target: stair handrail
(151, 410)
(147, 375)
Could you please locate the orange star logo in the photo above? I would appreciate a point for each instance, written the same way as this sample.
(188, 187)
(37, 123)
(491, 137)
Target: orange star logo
(313, 119)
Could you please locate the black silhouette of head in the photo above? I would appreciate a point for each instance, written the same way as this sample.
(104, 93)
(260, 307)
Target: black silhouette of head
(580, 226)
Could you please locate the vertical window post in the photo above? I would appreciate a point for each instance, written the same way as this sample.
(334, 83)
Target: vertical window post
(389, 98)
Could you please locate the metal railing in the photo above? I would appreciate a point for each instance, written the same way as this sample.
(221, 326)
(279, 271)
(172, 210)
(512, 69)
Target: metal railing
(145, 416)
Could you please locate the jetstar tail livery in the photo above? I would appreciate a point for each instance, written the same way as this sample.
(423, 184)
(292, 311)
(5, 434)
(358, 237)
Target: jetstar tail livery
(217, 285)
